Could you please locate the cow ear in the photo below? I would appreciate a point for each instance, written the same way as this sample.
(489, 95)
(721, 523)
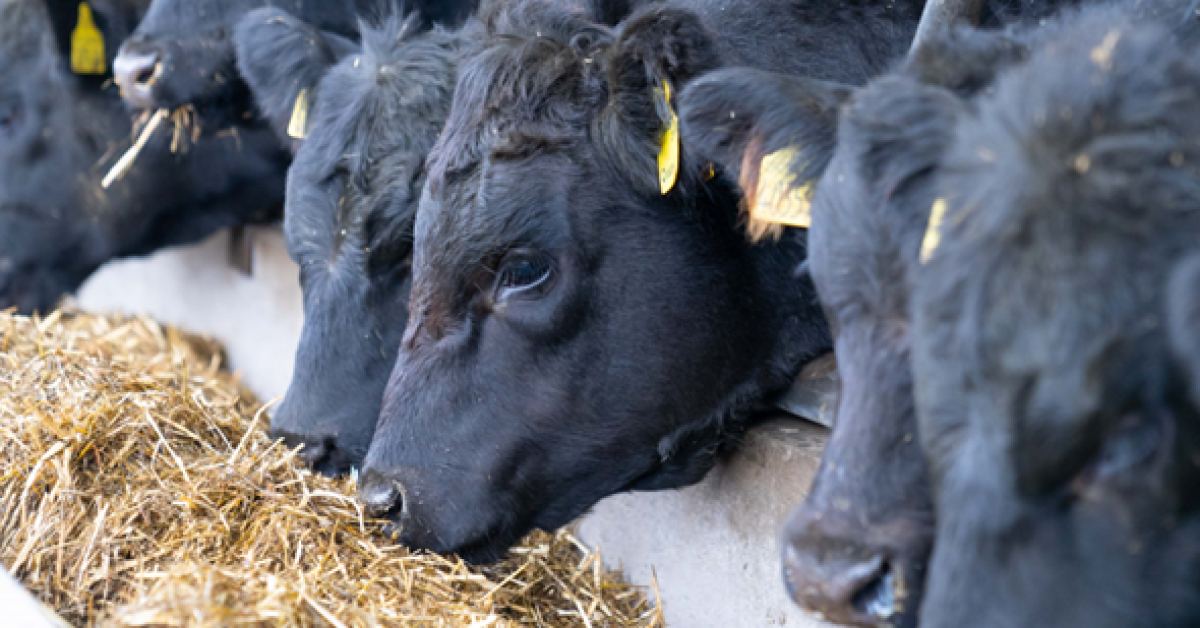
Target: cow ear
(282, 59)
(733, 118)
(656, 52)
(1183, 321)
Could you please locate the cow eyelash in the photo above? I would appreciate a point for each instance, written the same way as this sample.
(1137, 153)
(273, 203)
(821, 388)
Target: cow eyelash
(521, 272)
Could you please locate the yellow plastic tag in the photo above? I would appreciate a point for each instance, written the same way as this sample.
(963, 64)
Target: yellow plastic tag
(668, 149)
(298, 125)
(777, 198)
(87, 44)
(933, 231)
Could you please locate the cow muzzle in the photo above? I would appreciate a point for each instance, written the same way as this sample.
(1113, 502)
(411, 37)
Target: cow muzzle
(851, 578)
(383, 497)
(136, 72)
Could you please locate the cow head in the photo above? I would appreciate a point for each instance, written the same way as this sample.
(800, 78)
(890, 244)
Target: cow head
(1050, 343)
(182, 53)
(574, 331)
(351, 202)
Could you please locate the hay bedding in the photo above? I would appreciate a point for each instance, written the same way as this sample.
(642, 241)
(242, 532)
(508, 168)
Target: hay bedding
(138, 488)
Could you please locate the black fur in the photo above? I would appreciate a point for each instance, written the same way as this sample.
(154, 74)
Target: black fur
(1053, 409)
(278, 55)
(351, 202)
(857, 548)
(193, 40)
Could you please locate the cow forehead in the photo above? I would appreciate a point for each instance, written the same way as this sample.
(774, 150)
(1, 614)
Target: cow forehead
(499, 204)
(526, 88)
(501, 164)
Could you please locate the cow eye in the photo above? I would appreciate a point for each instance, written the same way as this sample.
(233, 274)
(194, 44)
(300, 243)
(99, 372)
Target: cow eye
(1134, 442)
(522, 272)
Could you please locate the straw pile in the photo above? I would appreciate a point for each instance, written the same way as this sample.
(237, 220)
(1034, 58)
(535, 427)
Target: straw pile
(138, 488)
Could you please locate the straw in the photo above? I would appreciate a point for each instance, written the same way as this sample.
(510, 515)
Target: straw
(138, 489)
(123, 164)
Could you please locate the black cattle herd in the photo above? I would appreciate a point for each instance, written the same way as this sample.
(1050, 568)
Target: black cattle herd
(555, 250)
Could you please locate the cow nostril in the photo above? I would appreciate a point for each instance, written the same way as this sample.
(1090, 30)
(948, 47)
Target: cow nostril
(382, 497)
(842, 585)
(876, 598)
(147, 75)
(319, 453)
(314, 452)
(136, 73)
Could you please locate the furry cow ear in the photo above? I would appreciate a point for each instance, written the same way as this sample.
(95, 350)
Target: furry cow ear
(656, 52)
(1183, 321)
(740, 119)
(660, 44)
(282, 60)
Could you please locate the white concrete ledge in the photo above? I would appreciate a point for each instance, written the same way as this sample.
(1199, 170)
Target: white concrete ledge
(713, 547)
(21, 609)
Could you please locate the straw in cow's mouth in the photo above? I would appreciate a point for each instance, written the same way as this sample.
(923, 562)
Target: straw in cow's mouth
(186, 125)
(124, 164)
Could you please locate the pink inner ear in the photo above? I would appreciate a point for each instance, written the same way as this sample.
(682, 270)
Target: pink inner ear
(748, 176)
(756, 230)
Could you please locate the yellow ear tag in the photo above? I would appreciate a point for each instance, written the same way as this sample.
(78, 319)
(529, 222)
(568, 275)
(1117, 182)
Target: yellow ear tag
(777, 198)
(298, 125)
(933, 231)
(668, 149)
(87, 44)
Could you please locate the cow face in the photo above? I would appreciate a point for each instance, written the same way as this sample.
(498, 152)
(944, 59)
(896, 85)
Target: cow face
(855, 549)
(573, 331)
(351, 202)
(182, 53)
(1054, 405)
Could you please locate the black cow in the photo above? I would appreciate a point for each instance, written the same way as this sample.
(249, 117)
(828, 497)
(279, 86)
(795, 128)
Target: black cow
(573, 331)
(855, 551)
(62, 134)
(1054, 337)
(351, 203)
